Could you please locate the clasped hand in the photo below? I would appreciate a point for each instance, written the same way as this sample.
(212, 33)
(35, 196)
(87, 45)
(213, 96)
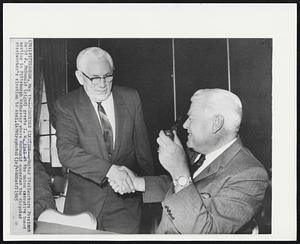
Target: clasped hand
(171, 156)
(123, 180)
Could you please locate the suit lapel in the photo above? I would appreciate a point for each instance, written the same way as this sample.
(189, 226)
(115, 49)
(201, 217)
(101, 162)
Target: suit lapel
(220, 161)
(120, 114)
(209, 170)
(88, 113)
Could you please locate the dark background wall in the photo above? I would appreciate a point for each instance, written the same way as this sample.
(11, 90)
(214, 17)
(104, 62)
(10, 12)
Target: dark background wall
(251, 74)
(146, 65)
(200, 63)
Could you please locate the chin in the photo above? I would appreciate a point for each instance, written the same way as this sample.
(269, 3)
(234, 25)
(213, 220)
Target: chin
(191, 146)
(102, 97)
(188, 144)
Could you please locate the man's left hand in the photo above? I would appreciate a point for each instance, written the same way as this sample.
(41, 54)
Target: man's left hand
(172, 155)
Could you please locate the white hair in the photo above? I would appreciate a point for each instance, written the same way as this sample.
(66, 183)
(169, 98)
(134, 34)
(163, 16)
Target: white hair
(93, 52)
(222, 102)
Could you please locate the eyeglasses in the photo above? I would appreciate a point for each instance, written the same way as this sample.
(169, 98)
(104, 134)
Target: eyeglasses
(96, 80)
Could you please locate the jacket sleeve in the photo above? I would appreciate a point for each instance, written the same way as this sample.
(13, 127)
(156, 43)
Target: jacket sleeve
(226, 212)
(141, 141)
(156, 188)
(71, 154)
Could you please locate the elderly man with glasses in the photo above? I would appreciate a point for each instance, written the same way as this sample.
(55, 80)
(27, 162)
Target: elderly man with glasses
(100, 127)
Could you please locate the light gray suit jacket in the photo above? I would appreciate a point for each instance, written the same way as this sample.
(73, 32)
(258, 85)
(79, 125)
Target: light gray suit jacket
(221, 199)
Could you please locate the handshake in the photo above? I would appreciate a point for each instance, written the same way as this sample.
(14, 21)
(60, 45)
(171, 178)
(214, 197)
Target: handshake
(123, 180)
(171, 156)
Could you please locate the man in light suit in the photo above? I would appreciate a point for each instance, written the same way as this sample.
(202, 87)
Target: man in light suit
(99, 128)
(225, 185)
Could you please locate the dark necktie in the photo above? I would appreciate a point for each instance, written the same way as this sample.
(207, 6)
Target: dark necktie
(197, 164)
(106, 128)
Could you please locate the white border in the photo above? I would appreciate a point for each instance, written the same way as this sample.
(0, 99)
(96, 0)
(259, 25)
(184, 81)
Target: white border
(277, 21)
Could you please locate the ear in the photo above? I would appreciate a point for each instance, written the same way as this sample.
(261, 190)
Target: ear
(79, 77)
(218, 123)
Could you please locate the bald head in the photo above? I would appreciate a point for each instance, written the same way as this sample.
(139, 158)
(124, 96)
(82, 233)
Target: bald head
(221, 102)
(93, 55)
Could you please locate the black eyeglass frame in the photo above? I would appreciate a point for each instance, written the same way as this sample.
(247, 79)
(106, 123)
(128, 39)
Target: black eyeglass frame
(98, 77)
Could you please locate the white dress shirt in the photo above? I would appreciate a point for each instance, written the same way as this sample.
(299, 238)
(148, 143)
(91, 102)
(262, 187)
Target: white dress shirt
(209, 158)
(109, 108)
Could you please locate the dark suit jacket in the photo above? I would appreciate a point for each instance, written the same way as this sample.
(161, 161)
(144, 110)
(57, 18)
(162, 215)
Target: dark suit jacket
(221, 199)
(81, 149)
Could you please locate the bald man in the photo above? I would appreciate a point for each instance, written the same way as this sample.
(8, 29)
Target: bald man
(100, 127)
(221, 187)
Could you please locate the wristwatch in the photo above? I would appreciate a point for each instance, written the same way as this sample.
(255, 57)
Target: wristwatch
(182, 181)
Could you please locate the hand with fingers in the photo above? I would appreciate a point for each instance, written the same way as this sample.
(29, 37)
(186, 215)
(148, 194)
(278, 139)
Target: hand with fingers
(138, 182)
(172, 156)
(119, 180)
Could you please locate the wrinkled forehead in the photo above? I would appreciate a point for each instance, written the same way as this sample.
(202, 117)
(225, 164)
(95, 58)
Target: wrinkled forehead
(95, 65)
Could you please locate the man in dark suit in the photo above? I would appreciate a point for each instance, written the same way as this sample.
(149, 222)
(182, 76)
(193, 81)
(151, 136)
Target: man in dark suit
(225, 185)
(99, 128)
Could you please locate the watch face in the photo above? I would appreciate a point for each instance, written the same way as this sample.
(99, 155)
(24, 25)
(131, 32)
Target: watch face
(182, 180)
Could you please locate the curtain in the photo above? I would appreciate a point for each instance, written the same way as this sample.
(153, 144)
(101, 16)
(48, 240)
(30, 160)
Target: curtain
(43, 198)
(37, 97)
(53, 61)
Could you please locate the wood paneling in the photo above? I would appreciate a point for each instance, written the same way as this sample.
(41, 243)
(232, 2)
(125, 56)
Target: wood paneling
(146, 65)
(251, 75)
(200, 63)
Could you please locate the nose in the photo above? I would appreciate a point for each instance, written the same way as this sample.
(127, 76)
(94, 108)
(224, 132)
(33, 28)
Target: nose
(185, 125)
(101, 82)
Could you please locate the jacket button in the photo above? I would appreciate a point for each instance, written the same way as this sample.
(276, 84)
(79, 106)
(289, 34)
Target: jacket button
(205, 195)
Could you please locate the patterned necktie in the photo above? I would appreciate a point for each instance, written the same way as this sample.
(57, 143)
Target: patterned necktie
(197, 164)
(106, 128)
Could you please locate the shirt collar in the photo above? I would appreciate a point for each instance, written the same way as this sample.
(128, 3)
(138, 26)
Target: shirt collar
(106, 102)
(213, 155)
